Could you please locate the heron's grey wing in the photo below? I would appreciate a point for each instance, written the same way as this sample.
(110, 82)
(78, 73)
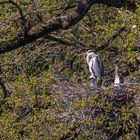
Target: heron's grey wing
(97, 66)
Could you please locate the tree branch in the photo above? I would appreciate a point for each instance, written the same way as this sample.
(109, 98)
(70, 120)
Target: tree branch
(113, 37)
(5, 92)
(58, 40)
(61, 22)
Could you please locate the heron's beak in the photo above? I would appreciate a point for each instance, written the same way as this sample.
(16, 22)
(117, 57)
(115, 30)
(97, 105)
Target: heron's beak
(82, 54)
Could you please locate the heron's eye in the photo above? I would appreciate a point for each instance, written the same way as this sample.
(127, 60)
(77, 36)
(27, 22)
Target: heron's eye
(90, 57)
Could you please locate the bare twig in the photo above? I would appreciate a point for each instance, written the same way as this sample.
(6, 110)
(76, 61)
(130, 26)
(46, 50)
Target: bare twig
(113, 37)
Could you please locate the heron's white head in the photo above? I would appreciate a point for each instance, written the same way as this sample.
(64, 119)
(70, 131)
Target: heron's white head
(89, 55)
(86, 53)
(89, 51)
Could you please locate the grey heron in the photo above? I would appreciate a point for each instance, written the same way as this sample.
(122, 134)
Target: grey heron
(95, 67)
(118, 78)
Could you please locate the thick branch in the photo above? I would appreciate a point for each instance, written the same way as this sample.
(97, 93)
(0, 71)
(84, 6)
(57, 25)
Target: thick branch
(60, 41)
(62, 22)
(5, 92)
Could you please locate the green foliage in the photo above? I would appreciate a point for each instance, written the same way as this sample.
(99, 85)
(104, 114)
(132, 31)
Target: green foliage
(48, 91)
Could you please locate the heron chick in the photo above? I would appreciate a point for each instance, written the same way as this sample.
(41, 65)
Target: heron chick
(95, 67)
(118, 78)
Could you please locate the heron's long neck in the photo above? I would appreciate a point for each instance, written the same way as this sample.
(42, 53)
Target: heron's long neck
(117, 75)
(88, 60)
(89, 57)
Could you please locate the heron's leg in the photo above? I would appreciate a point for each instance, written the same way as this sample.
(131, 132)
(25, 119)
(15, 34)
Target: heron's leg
(92, 73)
(103, 82)
(92, 76)
(99, 81)
(94, 82)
